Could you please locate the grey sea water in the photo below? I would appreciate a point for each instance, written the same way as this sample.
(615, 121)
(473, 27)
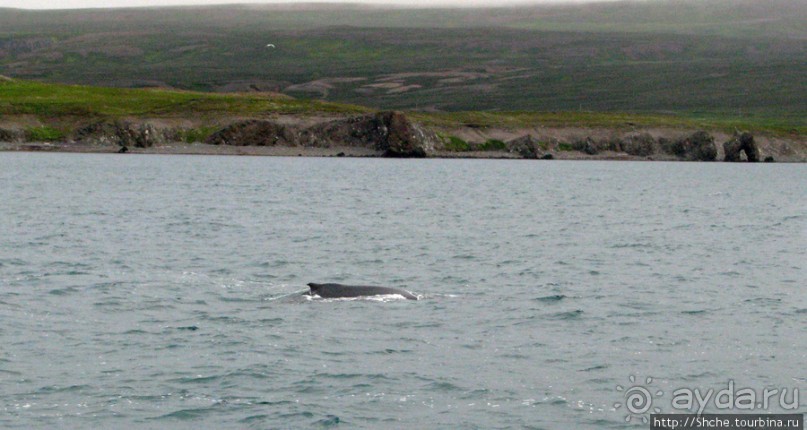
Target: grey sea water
(162, 291)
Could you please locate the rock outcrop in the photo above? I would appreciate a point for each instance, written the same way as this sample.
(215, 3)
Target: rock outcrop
(139, 135)
(255, 133)
(404, 138)
(738, 144)
(123, 133)
(638, 144)
(526, 146)
(585, 144)
(700, 146)
(11, 135)
(388, 132)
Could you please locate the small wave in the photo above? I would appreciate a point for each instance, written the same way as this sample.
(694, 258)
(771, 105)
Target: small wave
(552, 298)
(699, 376)
(270, 321)
(328, 421)
(763, 300)
(568, 315)
(294, 295)
(443, 386)
(392, 351)
(63, 291)
(12, 262)
(695, 312)
(801, 311)
(255, 418)
(238, 300)
(289, 416)
(196, 379)
(275, 403)
(631, 245)
(599, 367)
(58, 389)
(186, 414)
(557, 400)
(369, 376)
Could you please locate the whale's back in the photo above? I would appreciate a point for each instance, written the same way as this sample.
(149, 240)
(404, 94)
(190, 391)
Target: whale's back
(332, 290)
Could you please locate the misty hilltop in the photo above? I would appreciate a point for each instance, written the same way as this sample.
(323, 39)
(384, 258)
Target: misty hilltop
(739, 58)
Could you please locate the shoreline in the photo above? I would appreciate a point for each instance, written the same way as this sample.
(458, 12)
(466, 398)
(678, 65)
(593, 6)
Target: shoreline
(384, 134)
(332, 152)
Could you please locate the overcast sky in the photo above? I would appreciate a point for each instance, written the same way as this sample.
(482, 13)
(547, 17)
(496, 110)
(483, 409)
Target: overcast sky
(63, 4)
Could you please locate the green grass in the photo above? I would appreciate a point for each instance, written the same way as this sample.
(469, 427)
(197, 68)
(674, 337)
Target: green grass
(456, 144)
(51, 102)
(613, 120)
(43, 134)
(195, 135)
(492, 145)
(54, 100)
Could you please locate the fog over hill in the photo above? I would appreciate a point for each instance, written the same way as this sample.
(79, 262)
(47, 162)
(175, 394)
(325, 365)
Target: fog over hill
(728, 57)
(73, 4)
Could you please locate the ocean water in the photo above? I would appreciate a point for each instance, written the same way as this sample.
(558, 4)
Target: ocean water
(164, 291)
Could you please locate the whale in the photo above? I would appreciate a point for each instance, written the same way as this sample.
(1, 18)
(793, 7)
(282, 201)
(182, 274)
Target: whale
(332, 291)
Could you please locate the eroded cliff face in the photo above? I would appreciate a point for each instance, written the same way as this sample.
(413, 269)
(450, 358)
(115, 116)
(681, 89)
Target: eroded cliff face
(390, 133)
(393, 134)
(739, 145)
(255, 132)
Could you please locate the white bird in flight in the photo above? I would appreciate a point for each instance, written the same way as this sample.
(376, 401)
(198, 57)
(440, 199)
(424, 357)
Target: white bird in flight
(271, 45)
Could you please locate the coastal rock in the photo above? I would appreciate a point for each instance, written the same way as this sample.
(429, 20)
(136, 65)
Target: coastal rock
(139, 135)
(699, 146)
(738, 144)
(123, 133)
(525, 146)
(97, 133)
(11, 135)
(388, 132)
(639, 144)
(405, 138)
(587, 145)
(255, 133)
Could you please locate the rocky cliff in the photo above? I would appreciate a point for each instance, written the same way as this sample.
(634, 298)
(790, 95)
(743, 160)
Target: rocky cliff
(393, 134)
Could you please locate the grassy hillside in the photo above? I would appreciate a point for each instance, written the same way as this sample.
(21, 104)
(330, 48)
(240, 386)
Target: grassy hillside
(54, 103)
(725, 58)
